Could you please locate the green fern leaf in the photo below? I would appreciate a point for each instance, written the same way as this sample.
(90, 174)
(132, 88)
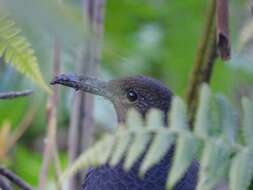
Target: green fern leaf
(247, 121)
(203, 123)
(214, 164)
(227, 119)
(105, 149)
(155, 119)
(162, 138)
(186, 150)
(186, 146)
(123, 139)
(178, 115)
(133, 123)
(134, 120)
(140, 139)
(16, 50)
(137, 148)
(160, 145)
(241, 170)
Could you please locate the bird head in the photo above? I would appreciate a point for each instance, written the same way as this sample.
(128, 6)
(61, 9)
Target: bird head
(139, 92)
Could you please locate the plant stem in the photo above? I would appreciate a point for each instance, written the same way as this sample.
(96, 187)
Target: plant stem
(12, 95)
(222, 24)
(50, 143)
(193, 86)
(82, 120)
(14, 179)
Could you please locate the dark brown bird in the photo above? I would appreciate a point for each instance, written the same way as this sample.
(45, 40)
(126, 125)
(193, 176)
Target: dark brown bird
(141, 93)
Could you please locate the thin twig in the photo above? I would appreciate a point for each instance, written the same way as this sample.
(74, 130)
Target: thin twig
(211, 56)
(82, 121)
(14, 179)
(3, 184)
(12, 95)
(57, 163)
(222, 24)
(193, 86)
(52, 121)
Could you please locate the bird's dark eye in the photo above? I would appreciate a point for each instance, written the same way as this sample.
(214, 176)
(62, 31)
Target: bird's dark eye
(132, 95)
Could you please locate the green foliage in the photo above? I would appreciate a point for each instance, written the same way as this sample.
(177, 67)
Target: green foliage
(247, 121)
(221, 156)
(16, 50)
(241, 170)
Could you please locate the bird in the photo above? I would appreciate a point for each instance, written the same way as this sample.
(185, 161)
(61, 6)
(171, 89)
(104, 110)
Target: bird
(141, 93)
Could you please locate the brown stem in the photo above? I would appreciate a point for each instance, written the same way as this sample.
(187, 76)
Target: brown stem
(222, 24)
(193, 86)
(82, 121)
(209, 60)
(12, 95)
(14, 179)
(52, 121)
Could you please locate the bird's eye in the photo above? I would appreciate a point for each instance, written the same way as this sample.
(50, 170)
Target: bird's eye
(132, 95)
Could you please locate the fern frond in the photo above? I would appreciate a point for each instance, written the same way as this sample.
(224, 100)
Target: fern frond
(227, 119)
(186, 149)
(221, 156)
(213, 164)
(178, 115)
(155, 153)
(247, 121)
(203, 122)
(16, 50)
(123, 140)
(241, 170)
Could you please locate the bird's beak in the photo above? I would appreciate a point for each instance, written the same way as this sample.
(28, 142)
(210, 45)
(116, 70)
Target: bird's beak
(87, 84)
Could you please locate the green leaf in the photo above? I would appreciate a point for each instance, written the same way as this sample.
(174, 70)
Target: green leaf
(241, 170)
(134, 120)
(155, 119)
(140, 138)
(123, 139)
(160, 145)
(203, 123)
(214, 164)
(186, 149)
(247, 121)
(138, 146)
(94, 156)
(16, 50)
(178, 115)
(105, 149)
(227, 119)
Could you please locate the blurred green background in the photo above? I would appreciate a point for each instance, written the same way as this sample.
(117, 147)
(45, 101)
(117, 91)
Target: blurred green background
(157, 38)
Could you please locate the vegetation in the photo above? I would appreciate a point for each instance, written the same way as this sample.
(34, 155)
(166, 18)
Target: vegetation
(155, 38)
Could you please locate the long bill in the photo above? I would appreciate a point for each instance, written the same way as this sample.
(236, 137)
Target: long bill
(87, 84)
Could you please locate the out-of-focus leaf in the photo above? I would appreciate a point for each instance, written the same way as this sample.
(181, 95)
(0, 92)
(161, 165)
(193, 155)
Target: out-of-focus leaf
(247, 121)
(161, 144)
(241, 170)
(5, 135)
(123, 141)
(246, 35)
(16, 50)
(137, 148)
(214, 164)
(178, 115)
(186, 150)
(227, 119)
(155, 119)
(203, 122)
(48, 17)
